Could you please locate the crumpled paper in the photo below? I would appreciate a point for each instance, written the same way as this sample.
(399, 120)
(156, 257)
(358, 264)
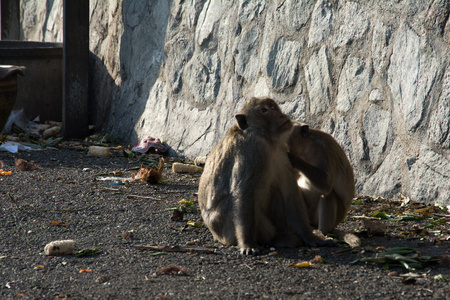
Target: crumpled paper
(146, 144)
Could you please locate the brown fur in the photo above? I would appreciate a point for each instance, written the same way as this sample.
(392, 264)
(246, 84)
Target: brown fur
(325, 176)
(247, 192)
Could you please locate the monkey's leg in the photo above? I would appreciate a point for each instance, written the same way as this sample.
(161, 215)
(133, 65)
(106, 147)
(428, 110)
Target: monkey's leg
(297, 219)
(265, 229)
(326, 213)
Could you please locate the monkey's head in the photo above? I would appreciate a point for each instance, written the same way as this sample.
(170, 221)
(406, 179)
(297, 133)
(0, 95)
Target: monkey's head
(263, 116)
(300, 138)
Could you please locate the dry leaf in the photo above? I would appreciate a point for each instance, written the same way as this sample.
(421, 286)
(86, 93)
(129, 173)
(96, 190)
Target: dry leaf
(303, 264)
(172, 269)
(316, 260)
(58, 223)
(424, 211)
(177, 215)
(194, 224)
(128, 234)
(151, 174)
(23, 165)
(5, 173)
(352, 240)
(85, 271)
(375, 227)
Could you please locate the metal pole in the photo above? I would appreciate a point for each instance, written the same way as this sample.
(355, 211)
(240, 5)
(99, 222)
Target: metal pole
(75, 112)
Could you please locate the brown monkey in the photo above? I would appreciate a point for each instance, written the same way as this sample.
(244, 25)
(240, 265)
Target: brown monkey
(247, 193)
(325, 176)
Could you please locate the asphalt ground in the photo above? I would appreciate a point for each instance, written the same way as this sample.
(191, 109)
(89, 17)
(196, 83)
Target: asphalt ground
(64, 200)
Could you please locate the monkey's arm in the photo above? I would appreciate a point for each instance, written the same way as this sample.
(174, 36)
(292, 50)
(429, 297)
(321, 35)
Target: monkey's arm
(245, 187)
(319, 178)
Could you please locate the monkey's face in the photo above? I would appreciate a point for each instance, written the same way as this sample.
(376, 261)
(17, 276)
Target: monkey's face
(276, 121)
(264, 117)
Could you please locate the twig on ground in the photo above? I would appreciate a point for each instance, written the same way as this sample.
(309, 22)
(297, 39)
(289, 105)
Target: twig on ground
(143, 197)
(19, 208)
(175, 248)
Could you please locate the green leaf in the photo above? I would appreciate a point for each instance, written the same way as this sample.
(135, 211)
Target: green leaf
(408, 218)
(440, 277)
(157, 253)
(127, 153)
(86, 252)
(379, 214)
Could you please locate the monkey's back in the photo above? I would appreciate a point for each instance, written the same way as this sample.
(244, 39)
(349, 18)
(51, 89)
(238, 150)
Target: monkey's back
(345, 180)
(221, 181)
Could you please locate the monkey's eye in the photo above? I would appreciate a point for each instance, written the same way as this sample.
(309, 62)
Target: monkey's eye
(264, 110)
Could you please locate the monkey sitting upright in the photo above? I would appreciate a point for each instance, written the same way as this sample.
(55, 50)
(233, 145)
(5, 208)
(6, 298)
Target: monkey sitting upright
(325, 176)
(248, 193)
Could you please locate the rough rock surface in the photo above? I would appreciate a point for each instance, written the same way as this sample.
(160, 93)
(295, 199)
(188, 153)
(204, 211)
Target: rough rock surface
(374, 74)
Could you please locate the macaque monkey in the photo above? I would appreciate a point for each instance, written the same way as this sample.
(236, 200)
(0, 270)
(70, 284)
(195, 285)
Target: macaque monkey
(248, 193)
(325, 176)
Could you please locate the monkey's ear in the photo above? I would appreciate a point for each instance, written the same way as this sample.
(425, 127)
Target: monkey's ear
(304, 130)
(242, 121)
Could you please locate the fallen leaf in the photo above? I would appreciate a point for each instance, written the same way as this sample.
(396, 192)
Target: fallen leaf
(172, 270)
(128, 234)
(58, 223)
(440, 277)
(151, 174)
(194, 224)
(23, 165)
(179, 228)
(424, 211)
(317, 260)
(40, 267)
(5, 173)
(85, 270)
(177, 215)
(375, 227)
(396, 257)
(379, 214)
(86, 252)
(352, 240)
(303, 264)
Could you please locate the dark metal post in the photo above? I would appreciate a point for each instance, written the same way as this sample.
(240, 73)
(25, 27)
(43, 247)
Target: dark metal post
(75, 112)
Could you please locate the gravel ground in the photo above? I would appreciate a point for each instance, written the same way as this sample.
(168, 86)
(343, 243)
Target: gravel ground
(116, 218)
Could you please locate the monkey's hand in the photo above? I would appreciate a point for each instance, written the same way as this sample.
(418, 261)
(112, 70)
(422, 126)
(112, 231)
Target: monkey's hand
(326, 243)
(319, 240)
(249, 250)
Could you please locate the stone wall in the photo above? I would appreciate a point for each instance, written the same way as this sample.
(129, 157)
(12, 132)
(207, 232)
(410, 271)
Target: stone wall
(375, 74)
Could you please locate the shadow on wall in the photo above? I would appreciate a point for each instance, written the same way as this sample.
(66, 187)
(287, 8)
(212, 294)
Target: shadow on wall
(117, 103)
